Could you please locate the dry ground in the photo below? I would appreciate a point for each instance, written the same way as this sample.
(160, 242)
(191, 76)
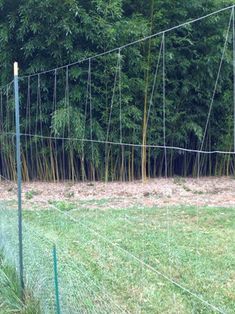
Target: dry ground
(208, 191)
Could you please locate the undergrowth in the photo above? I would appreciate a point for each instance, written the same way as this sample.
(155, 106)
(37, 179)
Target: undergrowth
(10, 300)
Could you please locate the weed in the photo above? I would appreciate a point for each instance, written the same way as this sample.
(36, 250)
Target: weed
(30, 194)
(186, 188)
(63, 205)
(198, 192)
(10, 301)
(69, 194)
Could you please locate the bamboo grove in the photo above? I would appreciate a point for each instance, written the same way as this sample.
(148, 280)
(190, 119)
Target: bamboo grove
(101, 119)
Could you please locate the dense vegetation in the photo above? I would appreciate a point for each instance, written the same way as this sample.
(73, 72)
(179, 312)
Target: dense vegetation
(73, 102)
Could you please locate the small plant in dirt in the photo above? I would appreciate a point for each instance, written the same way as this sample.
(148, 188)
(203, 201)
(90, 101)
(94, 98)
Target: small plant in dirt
(198, 192)
(11, 188)
(146, 194)
(30, 194)
(179, 180)
(63, 205)
(69, 194)
(186, 188)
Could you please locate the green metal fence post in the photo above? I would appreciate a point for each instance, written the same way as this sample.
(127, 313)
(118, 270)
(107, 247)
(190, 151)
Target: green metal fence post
(57, 297)
(19, 179)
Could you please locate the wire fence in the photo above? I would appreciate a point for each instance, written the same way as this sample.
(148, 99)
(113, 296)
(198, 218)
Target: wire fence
(78, 292)
(128, 260)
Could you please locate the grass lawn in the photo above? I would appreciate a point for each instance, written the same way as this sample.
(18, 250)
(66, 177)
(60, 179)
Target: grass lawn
(128, 260)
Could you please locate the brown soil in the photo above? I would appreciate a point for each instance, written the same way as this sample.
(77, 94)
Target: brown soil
(155, 192)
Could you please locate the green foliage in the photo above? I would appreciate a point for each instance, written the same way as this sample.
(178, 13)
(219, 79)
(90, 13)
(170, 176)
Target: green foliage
(42, 35)
(67, 121)
(63, 205)
(10, 301)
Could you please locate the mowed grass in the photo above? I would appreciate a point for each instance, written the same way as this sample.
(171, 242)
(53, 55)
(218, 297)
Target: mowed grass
(134, 260)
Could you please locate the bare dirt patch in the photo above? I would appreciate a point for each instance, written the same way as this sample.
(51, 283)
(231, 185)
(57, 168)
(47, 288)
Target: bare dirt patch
(209, 191)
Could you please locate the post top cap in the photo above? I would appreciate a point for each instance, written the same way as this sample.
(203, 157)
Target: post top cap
(15, 68)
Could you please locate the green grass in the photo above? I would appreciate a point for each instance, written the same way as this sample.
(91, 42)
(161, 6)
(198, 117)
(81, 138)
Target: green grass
(63, 205)
(107, 257)
(10, 300)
